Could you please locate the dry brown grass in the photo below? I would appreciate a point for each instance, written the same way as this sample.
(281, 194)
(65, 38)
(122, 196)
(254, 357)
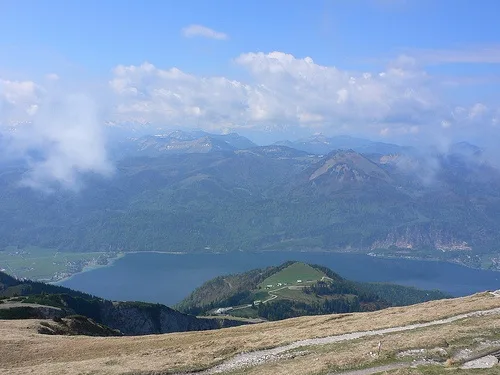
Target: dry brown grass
(22, 350)
(356, 353)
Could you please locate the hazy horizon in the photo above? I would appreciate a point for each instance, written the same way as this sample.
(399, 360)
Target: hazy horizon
(414, 73)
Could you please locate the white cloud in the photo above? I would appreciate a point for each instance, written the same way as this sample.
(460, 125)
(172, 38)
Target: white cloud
(62, 129)
(285, 91)
(16, 92)
(477, 110)
(176, 98)
(192, 31)
(445, 124)
(52, 77)
(69, 133)
(18, 99)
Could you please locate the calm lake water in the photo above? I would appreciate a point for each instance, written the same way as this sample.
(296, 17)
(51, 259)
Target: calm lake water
(168, 278)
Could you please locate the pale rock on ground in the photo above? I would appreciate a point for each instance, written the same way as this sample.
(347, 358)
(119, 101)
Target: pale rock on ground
(485, 362)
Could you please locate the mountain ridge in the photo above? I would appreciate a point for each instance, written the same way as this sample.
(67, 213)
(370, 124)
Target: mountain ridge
(322, 144)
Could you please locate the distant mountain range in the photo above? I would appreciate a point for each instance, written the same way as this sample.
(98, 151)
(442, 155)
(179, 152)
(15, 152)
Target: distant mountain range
(321, 144)
(194, 192)
(178, 142)
(197, 141)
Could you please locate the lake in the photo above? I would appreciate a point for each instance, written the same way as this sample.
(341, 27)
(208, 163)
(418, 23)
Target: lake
(168, 278)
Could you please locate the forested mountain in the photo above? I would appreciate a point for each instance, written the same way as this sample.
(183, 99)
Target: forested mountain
(296, 289)
(441, 205)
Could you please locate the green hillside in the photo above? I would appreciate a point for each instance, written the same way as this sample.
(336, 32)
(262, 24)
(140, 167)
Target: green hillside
(295, 274)
(295, 289)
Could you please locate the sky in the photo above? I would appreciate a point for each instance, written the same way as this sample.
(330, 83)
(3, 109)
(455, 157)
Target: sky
(403, 71)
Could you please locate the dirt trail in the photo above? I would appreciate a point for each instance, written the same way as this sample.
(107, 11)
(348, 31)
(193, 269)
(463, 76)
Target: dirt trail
(273, 296)
(260, 357)
(374, 370)
(379, 369)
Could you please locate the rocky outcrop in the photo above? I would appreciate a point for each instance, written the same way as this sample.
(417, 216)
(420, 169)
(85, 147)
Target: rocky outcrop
(75, 325)
(47, 301)
(127, 318)
(412, 237)
(17, 310)
(136, 318)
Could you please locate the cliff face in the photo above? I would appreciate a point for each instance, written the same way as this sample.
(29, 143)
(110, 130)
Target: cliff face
(411, 237)
(45, 301)
(134, 318)
(75, 325)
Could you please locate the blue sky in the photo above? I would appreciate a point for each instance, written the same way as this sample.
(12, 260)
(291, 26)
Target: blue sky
(98, 35)
(388, 69)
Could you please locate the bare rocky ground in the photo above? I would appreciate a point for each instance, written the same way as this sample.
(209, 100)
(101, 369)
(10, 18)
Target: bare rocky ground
(485, 362)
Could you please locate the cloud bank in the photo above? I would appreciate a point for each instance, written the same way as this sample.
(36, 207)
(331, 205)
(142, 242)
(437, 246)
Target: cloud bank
(63, 139)
(282, 93)
(289, 92)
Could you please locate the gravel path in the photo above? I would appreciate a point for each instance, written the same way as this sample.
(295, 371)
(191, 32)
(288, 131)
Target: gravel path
(375, 370)
(260, 357)
(389, 367)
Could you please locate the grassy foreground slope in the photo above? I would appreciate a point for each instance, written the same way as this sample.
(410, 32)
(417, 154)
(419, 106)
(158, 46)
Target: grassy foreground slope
(22, 350)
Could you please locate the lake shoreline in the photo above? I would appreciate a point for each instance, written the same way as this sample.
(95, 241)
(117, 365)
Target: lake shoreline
(370, 254)
(90, 267)
(176, 274)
